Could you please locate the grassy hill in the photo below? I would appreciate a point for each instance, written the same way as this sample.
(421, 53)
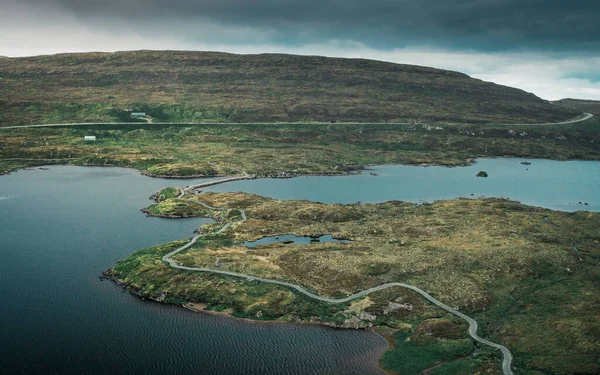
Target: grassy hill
(221, 87)
(589, 106)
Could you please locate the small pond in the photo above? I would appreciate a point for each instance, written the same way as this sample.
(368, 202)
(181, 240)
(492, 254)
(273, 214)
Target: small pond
(290, 239)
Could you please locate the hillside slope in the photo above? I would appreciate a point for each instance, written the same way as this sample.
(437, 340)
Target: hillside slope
(589, 106)
(210, 86)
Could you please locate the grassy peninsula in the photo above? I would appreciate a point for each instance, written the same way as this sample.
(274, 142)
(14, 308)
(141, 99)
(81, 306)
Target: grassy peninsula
(220, 87)
(511, 267)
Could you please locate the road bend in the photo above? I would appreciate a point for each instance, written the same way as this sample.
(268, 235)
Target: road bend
(473, 326)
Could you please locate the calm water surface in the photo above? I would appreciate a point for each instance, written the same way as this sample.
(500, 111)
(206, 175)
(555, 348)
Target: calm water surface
(292, 239)
(59, 228)
(545, 183)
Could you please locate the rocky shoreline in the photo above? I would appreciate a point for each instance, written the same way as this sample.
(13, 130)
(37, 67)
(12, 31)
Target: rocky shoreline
(354, 322)
(340, 170)
(171, 216)
(344, 170)
(148, 174)
(181, 216)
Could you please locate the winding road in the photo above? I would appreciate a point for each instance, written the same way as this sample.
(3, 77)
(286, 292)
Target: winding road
(473, 326)
(586, 116)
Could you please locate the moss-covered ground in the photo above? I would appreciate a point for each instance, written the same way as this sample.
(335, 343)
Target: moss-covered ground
(166, 193)
(266, 150)
(511, 267)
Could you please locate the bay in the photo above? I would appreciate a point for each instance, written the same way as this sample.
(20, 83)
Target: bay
(59, 228)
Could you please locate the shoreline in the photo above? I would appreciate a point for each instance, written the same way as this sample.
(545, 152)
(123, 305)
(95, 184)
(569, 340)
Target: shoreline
(200, 308)
(348, 171)
(384, 332)
(473, 325)
(366, 167)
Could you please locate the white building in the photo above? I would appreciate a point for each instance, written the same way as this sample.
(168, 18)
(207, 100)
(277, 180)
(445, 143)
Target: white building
(89, 138)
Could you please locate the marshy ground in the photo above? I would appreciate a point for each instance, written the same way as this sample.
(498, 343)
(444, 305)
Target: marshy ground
(294, 149)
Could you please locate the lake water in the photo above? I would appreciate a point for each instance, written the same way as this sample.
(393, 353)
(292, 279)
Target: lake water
(292, 239)
(59, 228)
(559, 185)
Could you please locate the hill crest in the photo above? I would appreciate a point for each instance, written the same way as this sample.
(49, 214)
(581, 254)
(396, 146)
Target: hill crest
(216, 86)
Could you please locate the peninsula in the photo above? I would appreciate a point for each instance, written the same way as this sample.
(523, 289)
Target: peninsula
(498, 261)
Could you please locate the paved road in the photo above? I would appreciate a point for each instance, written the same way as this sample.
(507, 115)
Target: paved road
(185, 190)
(586, 116)
(506, 354)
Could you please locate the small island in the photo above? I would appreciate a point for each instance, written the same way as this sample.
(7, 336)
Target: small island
(482, 174)
(498, 261)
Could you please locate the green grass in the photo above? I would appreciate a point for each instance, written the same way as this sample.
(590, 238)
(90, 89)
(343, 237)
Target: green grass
(589, 106)
(245, 299)
(167, 193)
(182, 170)
(264, 150)
(467, 366)
(174, 207)
(410, 358)
(218, 87)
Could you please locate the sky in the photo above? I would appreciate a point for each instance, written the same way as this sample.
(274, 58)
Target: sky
(548, 47)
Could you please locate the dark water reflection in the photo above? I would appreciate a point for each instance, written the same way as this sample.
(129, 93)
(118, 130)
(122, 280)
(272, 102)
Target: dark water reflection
(59, 228)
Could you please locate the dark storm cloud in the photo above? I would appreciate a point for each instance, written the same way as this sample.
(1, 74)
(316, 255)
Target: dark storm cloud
(485, 25)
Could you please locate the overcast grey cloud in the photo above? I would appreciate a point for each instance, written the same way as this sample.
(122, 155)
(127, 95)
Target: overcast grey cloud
(488, 25)
(551, 48)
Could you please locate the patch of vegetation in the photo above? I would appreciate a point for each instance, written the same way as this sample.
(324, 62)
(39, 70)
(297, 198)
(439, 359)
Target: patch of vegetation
(482, 364)
(182, 170)
(510, 266)
(410, 358)
(221, 87)
(179, 208)
(298, 149)
(589, 106)
(166, 193)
